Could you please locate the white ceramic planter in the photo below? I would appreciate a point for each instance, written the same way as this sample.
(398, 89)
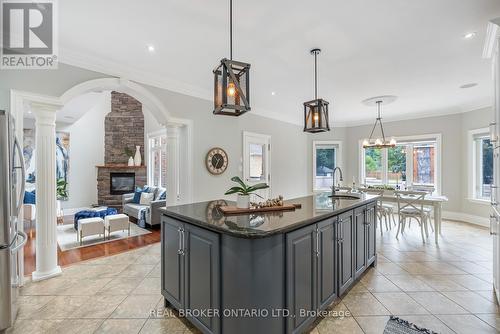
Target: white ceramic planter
(137, 157)
(243, 201)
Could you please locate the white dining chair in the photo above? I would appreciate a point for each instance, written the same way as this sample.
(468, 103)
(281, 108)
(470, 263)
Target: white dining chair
(429, 190)
(384, 210)
(410, 206)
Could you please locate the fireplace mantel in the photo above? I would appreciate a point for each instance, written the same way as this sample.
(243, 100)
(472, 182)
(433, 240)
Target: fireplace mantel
(116, 166)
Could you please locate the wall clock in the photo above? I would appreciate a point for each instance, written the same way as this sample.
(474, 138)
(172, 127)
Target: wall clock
(216, 161)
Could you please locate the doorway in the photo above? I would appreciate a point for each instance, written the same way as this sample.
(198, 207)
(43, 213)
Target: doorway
(257, 161)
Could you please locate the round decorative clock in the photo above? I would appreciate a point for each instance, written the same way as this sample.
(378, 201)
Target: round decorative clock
(216, 161)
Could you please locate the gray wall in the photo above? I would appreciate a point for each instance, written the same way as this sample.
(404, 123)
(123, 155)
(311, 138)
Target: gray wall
(291, 148)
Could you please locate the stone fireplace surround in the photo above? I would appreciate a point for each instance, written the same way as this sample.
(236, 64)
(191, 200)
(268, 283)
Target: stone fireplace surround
(124, 128)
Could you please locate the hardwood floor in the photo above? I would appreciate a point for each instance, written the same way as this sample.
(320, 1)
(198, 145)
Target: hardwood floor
(90, 252)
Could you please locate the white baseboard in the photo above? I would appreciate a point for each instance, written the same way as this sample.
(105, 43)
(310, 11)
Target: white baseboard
(465, 217)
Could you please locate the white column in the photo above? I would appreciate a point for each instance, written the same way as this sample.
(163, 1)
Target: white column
(46, 220)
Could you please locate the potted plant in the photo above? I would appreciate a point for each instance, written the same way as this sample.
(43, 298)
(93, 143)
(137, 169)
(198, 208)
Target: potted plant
(243, 190)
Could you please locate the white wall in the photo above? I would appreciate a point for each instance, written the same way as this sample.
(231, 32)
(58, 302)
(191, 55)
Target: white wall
(86, 151)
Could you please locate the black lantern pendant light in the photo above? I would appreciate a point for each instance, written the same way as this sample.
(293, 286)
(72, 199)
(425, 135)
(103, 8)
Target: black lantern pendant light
(316, 111)
(231, 81)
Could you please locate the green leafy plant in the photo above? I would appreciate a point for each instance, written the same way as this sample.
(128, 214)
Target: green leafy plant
(128, 152)
(244, 189)
(62, 189)
(382, 187)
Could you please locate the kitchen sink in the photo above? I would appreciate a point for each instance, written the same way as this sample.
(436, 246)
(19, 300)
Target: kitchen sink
(345, 196)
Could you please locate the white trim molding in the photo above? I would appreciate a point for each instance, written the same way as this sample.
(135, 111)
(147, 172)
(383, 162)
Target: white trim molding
(467, 218)
(492, 34)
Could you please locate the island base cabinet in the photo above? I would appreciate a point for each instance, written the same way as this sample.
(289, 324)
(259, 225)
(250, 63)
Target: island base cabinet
(346, 251)
(190, 272)
(301, 277)
(371, 235)
(311, 279)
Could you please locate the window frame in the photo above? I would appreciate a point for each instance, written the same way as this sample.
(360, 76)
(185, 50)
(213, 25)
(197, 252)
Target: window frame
(474, 165)
(338, 159)
(163, 149)
(435, 137)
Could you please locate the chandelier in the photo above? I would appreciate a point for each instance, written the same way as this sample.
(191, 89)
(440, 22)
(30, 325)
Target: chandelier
(379, 142)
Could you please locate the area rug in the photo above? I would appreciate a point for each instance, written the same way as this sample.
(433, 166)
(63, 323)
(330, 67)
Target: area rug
(397, 325)
(66, 236)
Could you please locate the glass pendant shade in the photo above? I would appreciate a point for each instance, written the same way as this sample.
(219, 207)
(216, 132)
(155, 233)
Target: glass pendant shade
(231, 88)
(316, 116)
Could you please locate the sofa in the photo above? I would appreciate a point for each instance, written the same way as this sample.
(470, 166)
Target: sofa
(152, 214)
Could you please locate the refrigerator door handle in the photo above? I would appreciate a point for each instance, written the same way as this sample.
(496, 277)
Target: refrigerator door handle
(23, 177)
(20, 245)
(8, 245)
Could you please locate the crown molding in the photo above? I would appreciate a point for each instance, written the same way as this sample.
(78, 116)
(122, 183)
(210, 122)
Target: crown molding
(112, 68)
(414, 116)
(109, 67)
(492, 34)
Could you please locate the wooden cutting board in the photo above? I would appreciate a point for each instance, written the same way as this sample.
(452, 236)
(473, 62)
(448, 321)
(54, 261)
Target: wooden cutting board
(232, 210)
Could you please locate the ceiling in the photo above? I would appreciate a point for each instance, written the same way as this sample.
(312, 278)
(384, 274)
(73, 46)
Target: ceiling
(74, 109)
(412, 49)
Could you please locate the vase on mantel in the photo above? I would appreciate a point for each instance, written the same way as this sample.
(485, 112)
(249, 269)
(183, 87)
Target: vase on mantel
(130, 161)
(137, 157)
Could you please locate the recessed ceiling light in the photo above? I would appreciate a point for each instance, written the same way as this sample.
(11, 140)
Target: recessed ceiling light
(469, 85)
(470, 35)
(273, 93)
(29, 111)
(151, 48)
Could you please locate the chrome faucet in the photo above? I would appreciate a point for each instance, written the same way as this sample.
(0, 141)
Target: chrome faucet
(340, 179)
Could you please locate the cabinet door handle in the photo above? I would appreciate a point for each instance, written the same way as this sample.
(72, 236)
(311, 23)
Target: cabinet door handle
(317, 242)
(180, 251)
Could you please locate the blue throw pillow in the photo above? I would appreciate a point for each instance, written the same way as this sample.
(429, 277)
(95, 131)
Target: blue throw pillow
(163, 196)
(29, 197)
(137, 195)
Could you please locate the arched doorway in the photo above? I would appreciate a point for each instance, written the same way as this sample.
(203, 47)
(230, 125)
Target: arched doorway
(45, 108)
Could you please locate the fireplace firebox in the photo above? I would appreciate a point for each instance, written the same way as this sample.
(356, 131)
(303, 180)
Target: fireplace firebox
(121, 183)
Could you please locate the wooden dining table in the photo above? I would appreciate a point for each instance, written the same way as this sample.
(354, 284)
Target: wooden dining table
(436, 201)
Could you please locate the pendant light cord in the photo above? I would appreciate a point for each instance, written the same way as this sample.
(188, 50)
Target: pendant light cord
(315, 75)
(231, 29)
(379, 121)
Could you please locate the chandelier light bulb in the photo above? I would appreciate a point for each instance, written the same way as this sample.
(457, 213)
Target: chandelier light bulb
(393, 141)
(366, 142)
(378, 141)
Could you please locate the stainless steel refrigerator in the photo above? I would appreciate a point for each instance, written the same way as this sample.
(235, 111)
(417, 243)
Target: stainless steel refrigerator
(12, 240)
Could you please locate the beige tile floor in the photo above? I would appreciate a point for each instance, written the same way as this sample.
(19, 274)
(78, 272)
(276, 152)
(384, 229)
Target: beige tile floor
(446, 289)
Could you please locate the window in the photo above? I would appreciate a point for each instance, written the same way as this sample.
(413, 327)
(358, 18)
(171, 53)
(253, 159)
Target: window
(325, 158)
(157, 172)
(482, 177)
(373, 166)
(412, 163)
(256, 162)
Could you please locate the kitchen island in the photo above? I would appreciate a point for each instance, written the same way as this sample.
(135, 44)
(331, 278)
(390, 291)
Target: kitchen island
(269, 272)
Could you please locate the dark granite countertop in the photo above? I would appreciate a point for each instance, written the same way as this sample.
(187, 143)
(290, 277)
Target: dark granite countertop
(258, 225)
